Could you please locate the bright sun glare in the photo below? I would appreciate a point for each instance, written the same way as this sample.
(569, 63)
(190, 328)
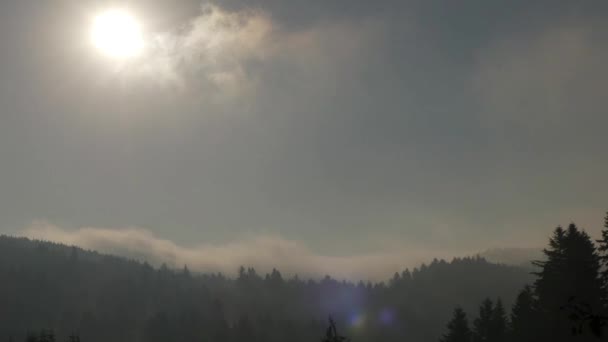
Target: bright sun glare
(116, 33)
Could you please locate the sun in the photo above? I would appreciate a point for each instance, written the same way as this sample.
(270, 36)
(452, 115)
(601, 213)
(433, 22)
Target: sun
(117, 33)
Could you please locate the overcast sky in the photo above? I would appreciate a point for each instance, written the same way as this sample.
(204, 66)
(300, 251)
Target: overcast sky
(350, 128)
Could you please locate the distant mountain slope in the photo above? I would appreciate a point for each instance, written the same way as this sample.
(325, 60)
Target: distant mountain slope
(107, 298)
(513, 256)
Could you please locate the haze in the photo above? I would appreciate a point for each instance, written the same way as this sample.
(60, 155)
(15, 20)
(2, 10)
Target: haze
(296, 134)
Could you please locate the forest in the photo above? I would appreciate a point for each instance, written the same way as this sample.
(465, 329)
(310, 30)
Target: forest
(52, 292)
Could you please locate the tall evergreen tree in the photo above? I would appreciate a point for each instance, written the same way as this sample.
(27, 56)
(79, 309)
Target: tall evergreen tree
(396, 279)
(523, 324)
(603, 249)
(483, 324)
(571, 271)
(498, 323)
(458, 328)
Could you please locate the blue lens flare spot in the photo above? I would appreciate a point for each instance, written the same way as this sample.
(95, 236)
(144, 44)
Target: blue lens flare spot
(387, 316)
(357, 320)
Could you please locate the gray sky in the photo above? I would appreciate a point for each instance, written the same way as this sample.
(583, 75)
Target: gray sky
(350, 128)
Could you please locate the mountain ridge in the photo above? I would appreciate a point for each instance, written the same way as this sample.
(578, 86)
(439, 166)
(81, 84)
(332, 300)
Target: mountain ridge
(50, 285)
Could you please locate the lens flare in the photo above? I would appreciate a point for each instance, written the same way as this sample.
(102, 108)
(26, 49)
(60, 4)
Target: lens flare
(357, 320)
(386, 316)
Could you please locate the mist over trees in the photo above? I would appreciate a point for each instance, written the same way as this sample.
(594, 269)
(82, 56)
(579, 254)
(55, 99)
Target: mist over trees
(105, 298)
(84, 295)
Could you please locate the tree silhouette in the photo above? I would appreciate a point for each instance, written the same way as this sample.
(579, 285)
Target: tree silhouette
(572, 269)
(482, 325)
(458, 328)
(523, 327)
(498, 323)
(584, 318)
(603, 249)
(331, 333)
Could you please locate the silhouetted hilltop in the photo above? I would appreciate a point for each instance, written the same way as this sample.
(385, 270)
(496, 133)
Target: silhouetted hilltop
(103, 298)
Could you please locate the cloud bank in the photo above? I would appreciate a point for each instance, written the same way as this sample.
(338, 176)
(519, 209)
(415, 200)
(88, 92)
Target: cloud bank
(262, 252)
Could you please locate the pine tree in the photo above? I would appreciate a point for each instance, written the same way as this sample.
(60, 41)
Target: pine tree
(396, 280)
(571, 272)
(603, 249)
(498, 323)
(548, 276)
(482, 324)
(458, 328)
(186, 272)
(523, 325)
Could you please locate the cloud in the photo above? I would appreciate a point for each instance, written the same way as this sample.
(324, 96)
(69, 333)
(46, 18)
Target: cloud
(263, 253)
(211, 49)
(548, 79)
(223, 52)
(542, 100)
(340, 117)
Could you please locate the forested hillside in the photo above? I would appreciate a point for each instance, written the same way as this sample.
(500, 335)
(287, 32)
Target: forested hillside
(105, 298)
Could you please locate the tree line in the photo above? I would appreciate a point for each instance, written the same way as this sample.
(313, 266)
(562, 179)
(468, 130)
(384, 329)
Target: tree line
(96, 297)
(566, 302)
